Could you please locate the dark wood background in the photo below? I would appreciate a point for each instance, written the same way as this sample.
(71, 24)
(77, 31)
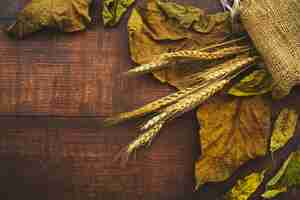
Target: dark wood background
(54, 91)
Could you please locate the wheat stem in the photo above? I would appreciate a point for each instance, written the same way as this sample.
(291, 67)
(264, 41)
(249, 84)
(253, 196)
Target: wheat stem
(168, 59)
(217, 72)
(153, 106)
(186, 104)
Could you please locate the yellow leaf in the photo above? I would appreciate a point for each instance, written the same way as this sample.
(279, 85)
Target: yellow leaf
(257, 83)
(245, 187)
(64, 15)
(233, 131)
(284, 128)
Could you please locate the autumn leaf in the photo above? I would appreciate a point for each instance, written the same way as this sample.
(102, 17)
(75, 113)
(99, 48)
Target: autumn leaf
(64, 15)
(245, 187)
(284, 128)
(152, 32)
(192, 17)
(287, 175)
(233, 131)
(257, 83)
(113, 10)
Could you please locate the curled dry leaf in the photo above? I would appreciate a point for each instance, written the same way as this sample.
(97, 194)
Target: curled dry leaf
(257, 83)
(287, 176)
(184, 15)
(113, 10)
(153, 32)
(64, 15)
(190, 17)
(233, 131)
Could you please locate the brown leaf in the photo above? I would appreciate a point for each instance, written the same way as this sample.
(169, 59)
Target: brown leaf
(64, 15)
(152, 32)
(233, 131)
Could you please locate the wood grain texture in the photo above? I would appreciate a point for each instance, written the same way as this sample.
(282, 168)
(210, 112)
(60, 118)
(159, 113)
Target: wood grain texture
(55, 74)
(54, 89)
(69, 163)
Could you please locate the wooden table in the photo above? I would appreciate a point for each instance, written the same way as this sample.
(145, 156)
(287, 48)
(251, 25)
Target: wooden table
(54, 91)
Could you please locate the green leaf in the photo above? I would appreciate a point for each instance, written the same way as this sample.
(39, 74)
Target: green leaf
(291, 177)
(257, 83)
(113, 10)
(64, 15)
(273, 193)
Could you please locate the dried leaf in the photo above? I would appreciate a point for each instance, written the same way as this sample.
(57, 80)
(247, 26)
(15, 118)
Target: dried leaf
(287, 175)
(206, 23)
(245, 187)
(233, 131)
(64, 15)
(184, 15)
(284, 128)
(113, 10)
(257, 83)
(248, 185)
(152, 32)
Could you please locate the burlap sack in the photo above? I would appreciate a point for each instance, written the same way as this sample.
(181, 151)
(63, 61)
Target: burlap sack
(274, 27)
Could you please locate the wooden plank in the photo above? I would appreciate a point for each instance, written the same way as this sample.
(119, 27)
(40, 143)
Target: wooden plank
(68, 75)
(54, 74)
(70, 163)
(76, 163)
(57, 74)
(8, 9)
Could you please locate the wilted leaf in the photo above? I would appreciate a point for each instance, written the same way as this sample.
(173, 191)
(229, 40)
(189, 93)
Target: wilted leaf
(184, 15)
(113, 10)
(233, 131)
(152, 32)
(64, 15)
(287, 175)
(192, 17)
(257, 83)
(206, 23)
(138, 39)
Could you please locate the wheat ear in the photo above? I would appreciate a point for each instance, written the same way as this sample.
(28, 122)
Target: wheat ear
(168, 59)
(186, 104)
(145, 139)
(153, 106)
(220, 70)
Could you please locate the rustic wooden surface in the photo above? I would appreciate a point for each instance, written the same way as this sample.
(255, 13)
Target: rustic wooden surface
(54, 90)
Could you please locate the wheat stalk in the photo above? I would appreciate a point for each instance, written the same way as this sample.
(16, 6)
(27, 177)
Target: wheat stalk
(186, 104)
(167, 59)
(142, 140)
(221, 70)
(153, 106)
(219, 80)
